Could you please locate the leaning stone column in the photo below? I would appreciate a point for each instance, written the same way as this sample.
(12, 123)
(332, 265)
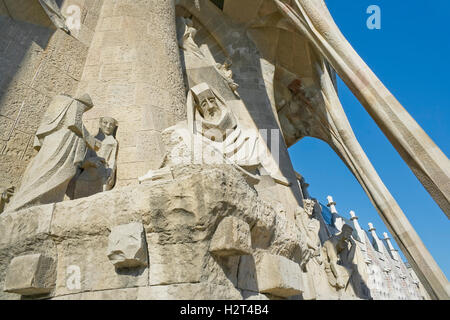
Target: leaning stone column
(133, 73)
(423, 156)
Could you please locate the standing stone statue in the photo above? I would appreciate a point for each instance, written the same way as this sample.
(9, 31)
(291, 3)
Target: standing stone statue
(98, 171)
(61, 141)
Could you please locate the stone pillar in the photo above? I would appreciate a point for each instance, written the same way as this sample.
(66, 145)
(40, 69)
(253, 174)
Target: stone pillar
(376, 240)
(357, 227)
(394, 253)
(337, 220)
(133, 73)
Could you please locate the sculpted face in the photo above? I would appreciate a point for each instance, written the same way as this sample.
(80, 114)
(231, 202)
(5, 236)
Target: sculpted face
(107, 125)
(208, 106)
(346, 232)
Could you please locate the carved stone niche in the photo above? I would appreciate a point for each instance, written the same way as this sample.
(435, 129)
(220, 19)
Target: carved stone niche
(279, 276)
(127, 247)
(32, 274)
(232, 238)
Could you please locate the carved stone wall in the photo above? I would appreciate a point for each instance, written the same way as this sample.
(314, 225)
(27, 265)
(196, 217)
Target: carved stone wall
(36, 63)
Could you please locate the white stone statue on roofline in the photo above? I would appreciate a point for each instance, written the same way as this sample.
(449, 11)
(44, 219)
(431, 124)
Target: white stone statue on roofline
(98, 170)
(212, 135)
(61, 141)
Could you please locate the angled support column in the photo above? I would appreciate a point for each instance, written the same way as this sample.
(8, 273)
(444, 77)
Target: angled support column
(423, 156)
(428, 162)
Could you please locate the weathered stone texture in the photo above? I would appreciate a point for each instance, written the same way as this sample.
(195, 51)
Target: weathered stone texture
(133, 64)
(232, 238)
(127, 247)
(32, 274)
(180, 218)
(36, 63)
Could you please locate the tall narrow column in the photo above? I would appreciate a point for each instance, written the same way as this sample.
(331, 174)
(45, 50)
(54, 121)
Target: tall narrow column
(337, 220)
(394, 253)
(376, 240)
(133, 73)
(359, 230)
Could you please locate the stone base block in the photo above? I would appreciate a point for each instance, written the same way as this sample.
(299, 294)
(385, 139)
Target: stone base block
(30, 275)
(232, 238)
(279, 276)
(127, 247)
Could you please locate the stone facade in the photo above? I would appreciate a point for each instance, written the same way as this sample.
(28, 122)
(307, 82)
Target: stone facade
(187, 190)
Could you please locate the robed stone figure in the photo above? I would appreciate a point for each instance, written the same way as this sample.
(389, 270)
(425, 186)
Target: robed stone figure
(61, 141)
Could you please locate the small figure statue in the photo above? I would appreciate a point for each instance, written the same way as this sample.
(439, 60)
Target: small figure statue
(5, 195)
(186, 39)
(227, 74)
(98, 170)
(339, 252)
(61, 141)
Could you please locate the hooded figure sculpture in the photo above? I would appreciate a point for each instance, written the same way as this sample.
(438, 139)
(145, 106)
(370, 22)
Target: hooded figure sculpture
(61, 140)
(213, 136)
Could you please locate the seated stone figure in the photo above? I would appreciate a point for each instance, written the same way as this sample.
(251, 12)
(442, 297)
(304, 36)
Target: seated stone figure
(339, 252)
(61, 141)
(212, 135)
(98, 171)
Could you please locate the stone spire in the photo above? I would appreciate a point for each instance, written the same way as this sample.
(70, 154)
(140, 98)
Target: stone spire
(376, 241)
(337, 220)
(393, 252)
(357, 227)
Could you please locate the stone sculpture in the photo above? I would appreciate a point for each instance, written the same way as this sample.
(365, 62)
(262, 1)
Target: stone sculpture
(213, 136)
(339, 258)
(61, 141)
(186, 42)
(98, 170)
(225, 71)
(5, 195)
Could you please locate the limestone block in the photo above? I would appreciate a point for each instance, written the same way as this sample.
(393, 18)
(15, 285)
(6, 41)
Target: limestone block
(232, 238)
(175, 263)
(279, 276)
(30, 275)
(127, 247)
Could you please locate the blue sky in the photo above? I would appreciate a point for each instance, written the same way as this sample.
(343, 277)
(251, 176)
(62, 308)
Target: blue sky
(411, 56)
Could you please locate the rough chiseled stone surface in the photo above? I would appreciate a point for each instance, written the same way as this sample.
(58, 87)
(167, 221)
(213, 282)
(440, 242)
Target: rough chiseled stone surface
(32, 274)
(180, 218)
(232, 238)
(279, 276)
(127, 247)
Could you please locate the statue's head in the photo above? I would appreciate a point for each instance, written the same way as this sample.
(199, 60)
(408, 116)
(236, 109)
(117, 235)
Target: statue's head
(347, 231)
(107, 125)
(206, 102)
(228, 63)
